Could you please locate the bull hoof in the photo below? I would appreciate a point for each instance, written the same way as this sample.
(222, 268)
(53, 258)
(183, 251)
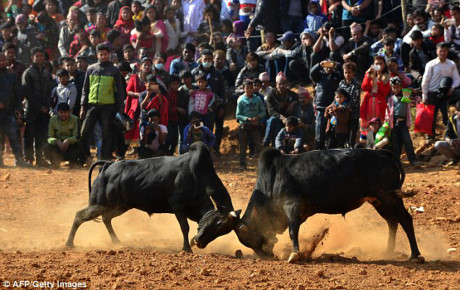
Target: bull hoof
(294, 257)
(187, 250)
(417, 260)
(70, 246)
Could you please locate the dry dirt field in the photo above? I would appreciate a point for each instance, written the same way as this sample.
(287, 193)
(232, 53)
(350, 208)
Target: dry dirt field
(37, 207)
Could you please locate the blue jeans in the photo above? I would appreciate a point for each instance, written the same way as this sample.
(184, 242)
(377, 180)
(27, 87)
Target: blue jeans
(274, 125)
(320, 129)
(9, 128)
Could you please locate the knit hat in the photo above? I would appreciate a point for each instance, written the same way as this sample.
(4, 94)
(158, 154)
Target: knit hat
(395, 81)
(280, 76)
(21, 18)
(264, 77)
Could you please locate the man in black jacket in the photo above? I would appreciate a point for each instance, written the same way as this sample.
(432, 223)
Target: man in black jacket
(36, 85)
(10, 107)
(327, 77)
(450, 147)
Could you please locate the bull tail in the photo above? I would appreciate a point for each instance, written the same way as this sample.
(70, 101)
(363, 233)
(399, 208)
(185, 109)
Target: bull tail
(102, 163)
(400, 167)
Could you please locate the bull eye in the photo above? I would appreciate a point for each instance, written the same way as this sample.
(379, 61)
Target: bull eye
(219, 222)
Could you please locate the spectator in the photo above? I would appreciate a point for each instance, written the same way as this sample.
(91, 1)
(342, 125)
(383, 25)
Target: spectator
(173, 27)
(398, 116)
(327, 45)
(36, 84)
(266, 89)
(264, 52)
(142, 38)
(357, 49)
(125, 23)
(157, 28)
(129, 56)
(186, 62)
(65, 92)
(115, 43)
(26, 39)
(137, 8)
(174, 114)
(227, 76)
(327, 80)
(376, 86)
(450, 147)
(280, 105)
(290, 139)
(114, 10)
(338, 119)
(196, 131)
(183, 101)
(135, 87)
(394, 71)
(236, 54)
(47, 34)
(91, 16)
(421, 53)
(249, 110)
(101, 26)
(102, 98)
(80, 42)
(350, 85)
(251, 70)
(267, 16)
(378, 136)
(63, 138)
(82, 63)
(437, 33)
(388, 32)
(90, 52)
(154, 99)
(153, 136)
(388, 52)
(9, 50)
(6, 34)
(422, 23)
(100, 6)
(10, 110)
(51, 7)
(305, 112)
(315, 19)
(354, 11)
(202, 99)
(77, 78)
(283, 54)
(436, 71)
(301, 61)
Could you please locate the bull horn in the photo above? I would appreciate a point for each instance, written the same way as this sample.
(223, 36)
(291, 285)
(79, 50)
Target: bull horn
(214, 203)
(243, 228)
(192, 242)
(235, 214)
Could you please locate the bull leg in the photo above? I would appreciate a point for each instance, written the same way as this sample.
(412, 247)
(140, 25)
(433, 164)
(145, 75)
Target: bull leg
(84, 215)
(390, 200)
(107, 219)
(185, 229)
(391, 220)
(294, 235)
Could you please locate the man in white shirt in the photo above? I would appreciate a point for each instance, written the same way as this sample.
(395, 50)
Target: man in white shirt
(436, 72)
(193, 15)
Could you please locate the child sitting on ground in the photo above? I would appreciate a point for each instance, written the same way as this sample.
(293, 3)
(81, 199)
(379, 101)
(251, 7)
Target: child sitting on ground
(291, 138)
(338, 116)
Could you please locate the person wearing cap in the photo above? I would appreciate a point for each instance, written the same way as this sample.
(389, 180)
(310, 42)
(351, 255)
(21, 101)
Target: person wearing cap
(436, 71)
(328, 44)
(266, 88)
(63, 138)
(196, 131)
(327, 77)
(354, 11)
(285, 53)
(26, 39)
(357, 49)
(264, 50)
(377, 138)
(186, 61)
(249, 110)
(152, 136)
(399, 118)
(10, 111)
(421, 53)
(102, 97)
(280, 105)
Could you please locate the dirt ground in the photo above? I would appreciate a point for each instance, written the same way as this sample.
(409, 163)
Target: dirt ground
(37, 207)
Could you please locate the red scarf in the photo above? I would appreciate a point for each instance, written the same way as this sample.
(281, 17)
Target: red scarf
(121, 23)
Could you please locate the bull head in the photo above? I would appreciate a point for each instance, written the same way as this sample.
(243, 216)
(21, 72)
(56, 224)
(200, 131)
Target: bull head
(213, 224)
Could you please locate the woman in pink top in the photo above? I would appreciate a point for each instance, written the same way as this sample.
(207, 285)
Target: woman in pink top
(202, 99)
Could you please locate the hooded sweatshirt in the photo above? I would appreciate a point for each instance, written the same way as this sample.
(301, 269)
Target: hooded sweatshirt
(314, 21)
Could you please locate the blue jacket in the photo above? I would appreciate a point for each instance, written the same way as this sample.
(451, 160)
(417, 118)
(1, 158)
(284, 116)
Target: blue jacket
(288, 141)
(207, 137)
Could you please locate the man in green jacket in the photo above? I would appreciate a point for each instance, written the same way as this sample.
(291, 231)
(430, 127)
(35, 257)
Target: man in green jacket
(63, 138)
(101, 99)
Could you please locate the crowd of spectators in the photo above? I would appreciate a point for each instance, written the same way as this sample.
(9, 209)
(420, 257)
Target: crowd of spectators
(151, 77)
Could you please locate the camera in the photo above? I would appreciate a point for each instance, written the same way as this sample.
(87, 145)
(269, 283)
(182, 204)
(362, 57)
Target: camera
(376, 67)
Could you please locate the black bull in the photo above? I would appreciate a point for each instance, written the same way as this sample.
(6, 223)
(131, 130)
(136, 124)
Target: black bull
(291, 188)
(187, 186)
